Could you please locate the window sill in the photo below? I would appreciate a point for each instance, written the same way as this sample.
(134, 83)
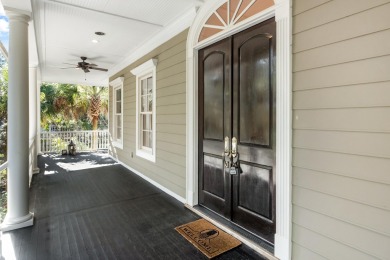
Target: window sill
(118, 144)
(146, 155)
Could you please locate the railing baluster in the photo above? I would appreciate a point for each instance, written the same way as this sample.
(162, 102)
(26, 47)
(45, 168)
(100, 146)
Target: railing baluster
(55, 141)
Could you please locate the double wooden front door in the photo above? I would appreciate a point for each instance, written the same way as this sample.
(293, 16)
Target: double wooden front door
(237, 99)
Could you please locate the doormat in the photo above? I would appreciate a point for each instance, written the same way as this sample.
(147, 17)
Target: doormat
(209, 239)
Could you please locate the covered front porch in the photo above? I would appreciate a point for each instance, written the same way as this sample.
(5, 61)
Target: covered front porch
(90, 207)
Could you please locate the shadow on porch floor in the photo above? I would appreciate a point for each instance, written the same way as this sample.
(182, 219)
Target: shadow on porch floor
(90, 207)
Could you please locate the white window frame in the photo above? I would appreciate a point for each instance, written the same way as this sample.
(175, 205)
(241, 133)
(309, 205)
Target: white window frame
(142, 72)
(117, 84)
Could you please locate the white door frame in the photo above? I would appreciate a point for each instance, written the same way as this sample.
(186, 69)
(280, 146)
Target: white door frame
(282, 13)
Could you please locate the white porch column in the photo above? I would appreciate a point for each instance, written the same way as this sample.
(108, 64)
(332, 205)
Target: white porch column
(18, 214)
(33, 104)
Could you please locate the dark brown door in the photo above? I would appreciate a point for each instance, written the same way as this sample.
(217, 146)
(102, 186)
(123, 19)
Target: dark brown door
(215, 122)
(237, 99)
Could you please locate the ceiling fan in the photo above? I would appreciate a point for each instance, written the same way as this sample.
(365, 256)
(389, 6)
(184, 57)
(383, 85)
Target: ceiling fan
(85, 66)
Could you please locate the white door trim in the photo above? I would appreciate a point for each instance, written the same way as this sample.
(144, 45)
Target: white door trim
(282, 13)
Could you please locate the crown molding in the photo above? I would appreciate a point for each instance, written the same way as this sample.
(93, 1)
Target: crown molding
(166, 34)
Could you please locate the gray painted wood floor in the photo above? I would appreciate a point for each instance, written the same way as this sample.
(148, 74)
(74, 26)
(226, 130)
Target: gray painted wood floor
(105, 212)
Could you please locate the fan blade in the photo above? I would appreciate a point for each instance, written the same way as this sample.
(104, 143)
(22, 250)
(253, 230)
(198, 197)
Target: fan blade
(86, 70)
(101, 69)
(92, 65)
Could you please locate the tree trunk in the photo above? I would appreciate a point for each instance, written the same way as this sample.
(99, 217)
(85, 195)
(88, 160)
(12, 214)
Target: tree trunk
(95, 121)
(94, 134)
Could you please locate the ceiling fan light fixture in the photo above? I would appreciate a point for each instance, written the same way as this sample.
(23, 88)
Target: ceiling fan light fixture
(100, 33)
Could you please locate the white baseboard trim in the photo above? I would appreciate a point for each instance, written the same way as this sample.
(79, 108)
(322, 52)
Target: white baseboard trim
(282, 247)
(169, 192)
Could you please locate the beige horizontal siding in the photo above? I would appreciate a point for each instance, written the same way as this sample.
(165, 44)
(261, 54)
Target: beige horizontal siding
(375, 119)
(342, 208)
(332, 12)
(301, 252)
(336, 185)
(341, 129)
(169, 170)
(307, 5)
(353, 166)
(170, 81)
(362, 23)
(172, 90)
(359, 96)
(365, 47)
(360, 239)
(313, 245)
(356, 143)
(359, 72)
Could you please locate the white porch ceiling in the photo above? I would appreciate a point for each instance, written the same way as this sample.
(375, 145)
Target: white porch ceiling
(65, 28)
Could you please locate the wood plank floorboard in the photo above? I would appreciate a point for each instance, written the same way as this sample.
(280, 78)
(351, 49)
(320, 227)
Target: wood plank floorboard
(90, 207)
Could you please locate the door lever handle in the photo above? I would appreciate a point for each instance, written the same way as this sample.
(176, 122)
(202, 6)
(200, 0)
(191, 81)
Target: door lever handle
(226, 153)
(234, 147)
(227, 146)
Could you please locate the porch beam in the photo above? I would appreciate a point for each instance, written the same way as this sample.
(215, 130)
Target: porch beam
(18, 214)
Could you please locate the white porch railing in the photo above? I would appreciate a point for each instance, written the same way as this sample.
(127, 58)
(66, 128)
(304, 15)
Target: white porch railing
(32, 160)
(55, 141)
(4, 166)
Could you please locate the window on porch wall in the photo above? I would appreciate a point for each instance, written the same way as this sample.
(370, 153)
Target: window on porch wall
(118, 115)
(146, 110)
(146, 114)
(117, 112)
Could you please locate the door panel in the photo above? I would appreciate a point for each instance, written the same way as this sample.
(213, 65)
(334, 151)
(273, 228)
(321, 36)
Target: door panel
(254, 91)
(237, 99)
(256, 179)
(213, 176)
(214, 123)
(213, 95)
(253, 205)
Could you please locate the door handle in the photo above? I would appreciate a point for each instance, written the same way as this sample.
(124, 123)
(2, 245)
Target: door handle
(227, 146)
(234, 147)
(226, 153)
(234, 163)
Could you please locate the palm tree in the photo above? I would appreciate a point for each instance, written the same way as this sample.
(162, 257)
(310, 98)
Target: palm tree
(97, 102)
(95, 106)
(61, 103)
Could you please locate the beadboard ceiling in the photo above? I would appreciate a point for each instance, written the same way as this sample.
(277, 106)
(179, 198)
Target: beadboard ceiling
(64, 31)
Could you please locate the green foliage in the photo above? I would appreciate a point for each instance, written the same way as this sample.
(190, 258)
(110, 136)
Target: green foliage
(69, 106)
(3, 142)
(3, 112)
(3, 194)
(3, 92)
(3, 138)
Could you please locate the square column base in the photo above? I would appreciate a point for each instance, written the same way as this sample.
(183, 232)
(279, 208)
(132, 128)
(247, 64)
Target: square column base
(12, 226)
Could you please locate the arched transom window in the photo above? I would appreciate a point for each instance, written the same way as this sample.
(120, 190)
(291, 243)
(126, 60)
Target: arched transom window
(231, 13)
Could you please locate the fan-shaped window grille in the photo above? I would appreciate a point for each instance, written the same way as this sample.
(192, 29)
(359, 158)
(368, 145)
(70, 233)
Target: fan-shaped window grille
(231, 13)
